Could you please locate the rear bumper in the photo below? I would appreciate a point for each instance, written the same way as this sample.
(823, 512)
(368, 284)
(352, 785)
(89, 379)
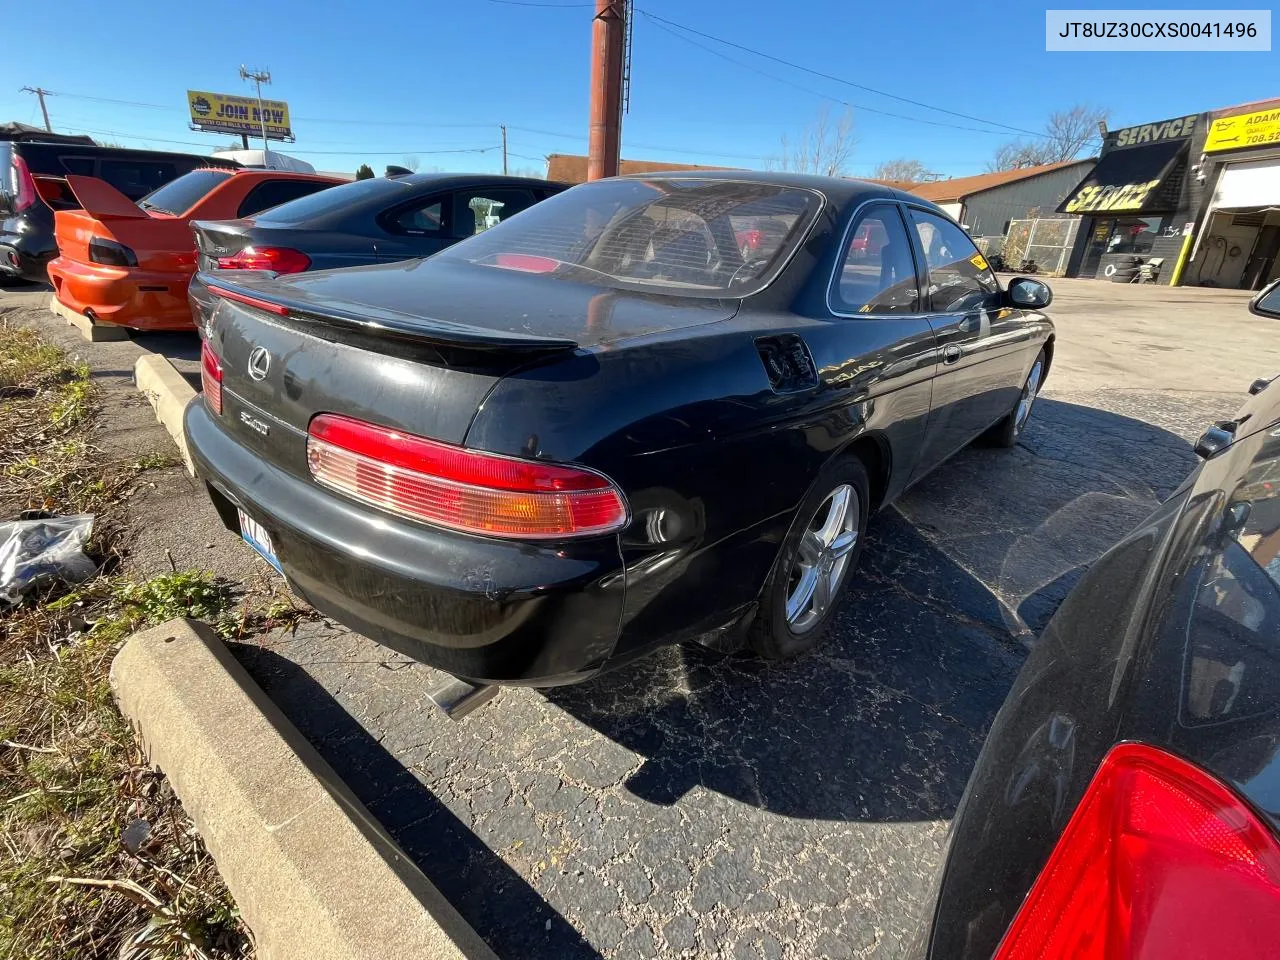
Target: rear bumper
(16, 260)
(127, 297)
(489, 611)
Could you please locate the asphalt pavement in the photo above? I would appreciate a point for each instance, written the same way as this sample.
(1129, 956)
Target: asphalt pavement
(700, 805)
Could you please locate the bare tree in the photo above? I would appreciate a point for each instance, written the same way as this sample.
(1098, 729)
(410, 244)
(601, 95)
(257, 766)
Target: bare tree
(825, 147)
(410, 162)
(1066, 134)
(910, 171)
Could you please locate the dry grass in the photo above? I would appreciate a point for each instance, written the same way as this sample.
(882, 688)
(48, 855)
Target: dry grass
(97, 858)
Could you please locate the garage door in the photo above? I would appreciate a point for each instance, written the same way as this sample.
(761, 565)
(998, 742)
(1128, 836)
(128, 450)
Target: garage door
(1252, 184)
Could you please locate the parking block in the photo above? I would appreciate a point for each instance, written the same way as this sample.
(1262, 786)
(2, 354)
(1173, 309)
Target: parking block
(314, 875)
(169, 394)
(93, 332)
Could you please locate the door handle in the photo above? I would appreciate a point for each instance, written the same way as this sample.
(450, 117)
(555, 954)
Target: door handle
(950, 353)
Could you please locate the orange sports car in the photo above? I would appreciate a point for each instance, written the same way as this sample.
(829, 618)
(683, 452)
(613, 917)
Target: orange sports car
(129, 264)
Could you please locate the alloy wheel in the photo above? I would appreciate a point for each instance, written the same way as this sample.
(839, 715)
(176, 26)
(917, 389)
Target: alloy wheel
(822, 558)
(1029, 391)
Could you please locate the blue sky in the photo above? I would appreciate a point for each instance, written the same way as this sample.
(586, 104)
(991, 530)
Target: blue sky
(378, 82)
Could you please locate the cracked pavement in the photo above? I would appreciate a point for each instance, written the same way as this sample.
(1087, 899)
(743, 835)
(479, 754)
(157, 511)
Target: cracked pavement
(693, 804)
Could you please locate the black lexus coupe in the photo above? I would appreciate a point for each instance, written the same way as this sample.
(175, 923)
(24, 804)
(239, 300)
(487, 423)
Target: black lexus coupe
(646, 410)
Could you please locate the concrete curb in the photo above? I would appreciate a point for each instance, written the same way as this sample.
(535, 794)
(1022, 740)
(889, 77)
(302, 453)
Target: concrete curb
(315, 877)
(93, 332)
(169, 394)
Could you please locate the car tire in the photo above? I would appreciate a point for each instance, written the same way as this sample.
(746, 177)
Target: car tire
(819, 545)
(1008, 431)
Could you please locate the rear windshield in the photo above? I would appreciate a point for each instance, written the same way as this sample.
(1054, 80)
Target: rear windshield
(697, 237)
(328, 201)
(179, 196)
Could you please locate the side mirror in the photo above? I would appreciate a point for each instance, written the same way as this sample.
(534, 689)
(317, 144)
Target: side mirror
(1267, 303)
(1029, 294)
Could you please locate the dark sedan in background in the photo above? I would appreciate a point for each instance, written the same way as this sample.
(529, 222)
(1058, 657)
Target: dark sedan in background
(1126, 803)
(604, 426)
(368, 221)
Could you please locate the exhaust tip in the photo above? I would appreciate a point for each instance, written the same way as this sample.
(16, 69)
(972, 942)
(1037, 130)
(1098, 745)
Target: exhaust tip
(457, 698)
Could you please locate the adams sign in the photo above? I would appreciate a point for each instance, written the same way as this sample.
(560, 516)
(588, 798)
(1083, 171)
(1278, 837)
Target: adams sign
(224, 113)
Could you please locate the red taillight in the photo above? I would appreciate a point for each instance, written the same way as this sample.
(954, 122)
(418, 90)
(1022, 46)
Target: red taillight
(461, 489)
(211, 377)
(25, 194)
(276, 259)
(277, 308)
(1159, 860)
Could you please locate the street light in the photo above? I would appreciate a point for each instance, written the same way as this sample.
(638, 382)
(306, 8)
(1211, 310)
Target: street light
(259, 77)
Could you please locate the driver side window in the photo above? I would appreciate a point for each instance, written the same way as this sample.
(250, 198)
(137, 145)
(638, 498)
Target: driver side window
(959, 277)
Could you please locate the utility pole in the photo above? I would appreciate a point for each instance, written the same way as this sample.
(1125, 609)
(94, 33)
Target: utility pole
(259, 77)
(40, 93)
(503, 127)
(608, 51)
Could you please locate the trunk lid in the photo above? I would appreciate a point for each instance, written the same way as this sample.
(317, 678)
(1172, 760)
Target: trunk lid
(484, 305)
(216, 239)
(158, 242)
(399, 345)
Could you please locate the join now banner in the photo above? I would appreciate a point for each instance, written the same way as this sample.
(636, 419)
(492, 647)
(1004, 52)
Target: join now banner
(225, 113)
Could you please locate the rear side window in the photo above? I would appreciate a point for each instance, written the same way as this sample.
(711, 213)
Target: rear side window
(683, 235)
(181, 195)
(475, 211)
(272, 193)
(959, 278)
(81, 166)
(136, 178)
(333, 200)
(423, 219)
(878, 274)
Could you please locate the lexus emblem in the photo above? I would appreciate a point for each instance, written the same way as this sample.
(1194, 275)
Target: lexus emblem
(259, 363)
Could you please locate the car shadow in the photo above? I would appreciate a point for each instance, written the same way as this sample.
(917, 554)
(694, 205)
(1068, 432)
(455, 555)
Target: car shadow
(479, 885)
(884, 720)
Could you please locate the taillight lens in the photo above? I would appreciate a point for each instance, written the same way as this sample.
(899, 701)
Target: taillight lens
(211, 377)
(466, 490)
(276, 259)
(1159, 860)
(25, 193)
(111, 253)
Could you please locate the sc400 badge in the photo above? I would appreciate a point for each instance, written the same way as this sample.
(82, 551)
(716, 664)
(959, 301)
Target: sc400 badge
(254, 424)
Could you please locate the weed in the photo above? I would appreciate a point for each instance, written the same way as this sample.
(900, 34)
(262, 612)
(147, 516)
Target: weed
(97, 859)
(156, 461)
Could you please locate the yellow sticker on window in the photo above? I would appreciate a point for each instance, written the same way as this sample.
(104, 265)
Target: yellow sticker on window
(979, 261)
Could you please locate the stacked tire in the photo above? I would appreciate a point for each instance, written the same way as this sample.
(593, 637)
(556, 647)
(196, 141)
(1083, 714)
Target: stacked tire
(1122, 269)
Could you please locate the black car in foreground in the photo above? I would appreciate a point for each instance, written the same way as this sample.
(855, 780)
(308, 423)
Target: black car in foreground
(33, 186)
(598, 427)
(368, 221)
(1126, 803)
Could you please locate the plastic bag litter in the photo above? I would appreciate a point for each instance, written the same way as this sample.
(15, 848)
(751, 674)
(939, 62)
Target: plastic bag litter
(33, 551)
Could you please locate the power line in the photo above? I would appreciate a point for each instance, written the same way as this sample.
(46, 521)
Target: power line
(536, 3)
(823, 96)
(835, 79)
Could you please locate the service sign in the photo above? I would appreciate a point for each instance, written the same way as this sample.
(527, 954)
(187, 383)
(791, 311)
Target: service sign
(224, 113)
(1118, 197)
(1244, 130)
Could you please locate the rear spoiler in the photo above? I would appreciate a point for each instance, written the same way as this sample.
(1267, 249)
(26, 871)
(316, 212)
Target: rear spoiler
(382, 323)
(100, 199)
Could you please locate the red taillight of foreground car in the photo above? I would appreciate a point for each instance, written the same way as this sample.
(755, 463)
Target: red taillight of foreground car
(466, 490)
(275, 259)
(26, 193)
(1159, 860)
(211, 377)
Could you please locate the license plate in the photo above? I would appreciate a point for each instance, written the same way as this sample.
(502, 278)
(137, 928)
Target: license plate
(258, 538)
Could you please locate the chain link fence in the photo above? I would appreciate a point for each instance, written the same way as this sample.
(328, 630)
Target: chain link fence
(1047, 241)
